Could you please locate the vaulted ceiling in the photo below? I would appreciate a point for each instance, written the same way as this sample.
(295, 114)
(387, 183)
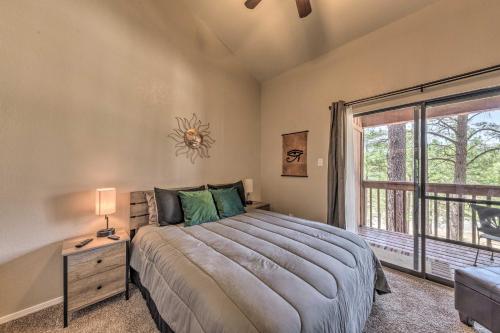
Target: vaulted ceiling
(271, 38)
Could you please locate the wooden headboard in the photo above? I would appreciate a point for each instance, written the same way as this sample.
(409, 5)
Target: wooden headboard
(139, 215)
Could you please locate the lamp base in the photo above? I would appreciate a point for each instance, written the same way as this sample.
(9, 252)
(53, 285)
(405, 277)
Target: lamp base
(105, 232)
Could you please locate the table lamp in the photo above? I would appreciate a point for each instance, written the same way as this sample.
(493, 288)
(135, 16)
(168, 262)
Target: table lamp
(105, 204)
(248, 185)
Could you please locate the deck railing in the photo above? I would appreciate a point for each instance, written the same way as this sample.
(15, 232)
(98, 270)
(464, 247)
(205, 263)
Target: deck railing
(384, 200)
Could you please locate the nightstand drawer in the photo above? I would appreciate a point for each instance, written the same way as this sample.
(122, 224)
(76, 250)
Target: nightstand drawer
(95, 288)
(95, 261)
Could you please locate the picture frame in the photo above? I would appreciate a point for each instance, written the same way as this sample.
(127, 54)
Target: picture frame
(294, 155)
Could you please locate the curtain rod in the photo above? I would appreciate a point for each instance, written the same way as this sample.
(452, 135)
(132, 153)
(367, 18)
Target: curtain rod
(421, 87)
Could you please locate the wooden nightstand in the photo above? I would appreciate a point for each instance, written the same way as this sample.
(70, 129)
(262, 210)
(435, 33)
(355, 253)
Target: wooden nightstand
(258, 205)
(95, 271)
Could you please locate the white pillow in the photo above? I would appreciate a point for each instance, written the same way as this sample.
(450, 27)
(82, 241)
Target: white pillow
(152, 210)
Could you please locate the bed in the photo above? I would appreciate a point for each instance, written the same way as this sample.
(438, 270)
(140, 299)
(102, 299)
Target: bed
(256, 272)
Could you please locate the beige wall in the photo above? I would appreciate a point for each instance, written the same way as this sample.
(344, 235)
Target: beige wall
(446, 38)
(89, 90)
(88, 94)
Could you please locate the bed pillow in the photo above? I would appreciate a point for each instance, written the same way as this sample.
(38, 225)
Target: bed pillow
(238, 185)
(228, 202)
(152, 211)
(198, 207)
(168, 204)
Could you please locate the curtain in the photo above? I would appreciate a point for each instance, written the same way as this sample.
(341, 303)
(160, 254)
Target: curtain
(337, 165)
(352, 173)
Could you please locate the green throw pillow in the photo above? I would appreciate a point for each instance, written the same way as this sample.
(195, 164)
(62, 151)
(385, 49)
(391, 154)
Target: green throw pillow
(198, 207)
(228, 202)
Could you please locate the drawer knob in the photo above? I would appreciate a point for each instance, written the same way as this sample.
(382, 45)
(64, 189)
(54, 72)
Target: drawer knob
(99, 261)
(99, 287)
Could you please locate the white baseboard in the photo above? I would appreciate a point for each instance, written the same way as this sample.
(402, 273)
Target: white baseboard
(30, 310)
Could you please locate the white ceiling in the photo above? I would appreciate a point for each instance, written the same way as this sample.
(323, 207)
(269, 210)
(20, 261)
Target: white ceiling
(271, 38)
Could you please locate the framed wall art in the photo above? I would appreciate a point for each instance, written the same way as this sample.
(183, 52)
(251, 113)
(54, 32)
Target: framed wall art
(294, 159)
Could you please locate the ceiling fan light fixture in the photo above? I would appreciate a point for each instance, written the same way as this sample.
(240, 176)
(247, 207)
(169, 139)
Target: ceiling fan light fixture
(251, 4)
(303, 6)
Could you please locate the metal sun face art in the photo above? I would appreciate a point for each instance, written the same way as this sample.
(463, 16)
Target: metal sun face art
(192, 138)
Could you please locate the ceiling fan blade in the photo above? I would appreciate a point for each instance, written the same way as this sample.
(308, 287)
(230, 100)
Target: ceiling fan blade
(251, 4)
(304, 8)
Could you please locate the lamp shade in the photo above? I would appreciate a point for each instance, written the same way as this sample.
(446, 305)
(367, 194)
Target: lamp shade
(248, 185)
(105, 201)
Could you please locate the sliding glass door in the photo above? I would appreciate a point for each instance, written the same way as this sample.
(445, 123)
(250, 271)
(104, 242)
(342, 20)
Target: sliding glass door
(462, 181)
(390, 216)
(431, 183)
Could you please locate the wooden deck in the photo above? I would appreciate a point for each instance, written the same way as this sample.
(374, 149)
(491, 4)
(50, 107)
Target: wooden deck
(442, 258)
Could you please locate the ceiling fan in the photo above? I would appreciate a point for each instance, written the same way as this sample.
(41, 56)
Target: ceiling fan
(303, 6)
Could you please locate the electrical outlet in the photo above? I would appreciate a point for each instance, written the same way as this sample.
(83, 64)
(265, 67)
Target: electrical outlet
(320, 162)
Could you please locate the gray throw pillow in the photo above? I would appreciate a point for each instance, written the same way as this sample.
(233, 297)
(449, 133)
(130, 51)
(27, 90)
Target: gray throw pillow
(168, 204)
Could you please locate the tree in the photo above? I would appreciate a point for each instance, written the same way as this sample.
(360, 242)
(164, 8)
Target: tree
(461, 149)
(396, 171)
(375, 153)
(460, 142)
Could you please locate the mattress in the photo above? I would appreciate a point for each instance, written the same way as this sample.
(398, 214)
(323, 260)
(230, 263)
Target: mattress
(258, 272)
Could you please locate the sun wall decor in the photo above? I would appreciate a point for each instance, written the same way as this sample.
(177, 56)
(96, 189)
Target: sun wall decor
(192, 138)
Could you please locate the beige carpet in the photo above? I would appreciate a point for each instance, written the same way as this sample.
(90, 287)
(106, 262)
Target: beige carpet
(414, 306)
